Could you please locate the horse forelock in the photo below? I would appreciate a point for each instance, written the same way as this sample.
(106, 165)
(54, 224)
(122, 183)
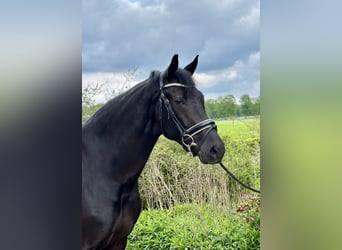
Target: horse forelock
(183, 76)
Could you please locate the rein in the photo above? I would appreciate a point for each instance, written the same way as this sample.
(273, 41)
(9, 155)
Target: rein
(237, 180)
(188, 134)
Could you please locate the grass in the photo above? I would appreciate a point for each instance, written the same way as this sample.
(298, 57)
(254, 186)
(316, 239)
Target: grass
(238, 120)
(239, 129)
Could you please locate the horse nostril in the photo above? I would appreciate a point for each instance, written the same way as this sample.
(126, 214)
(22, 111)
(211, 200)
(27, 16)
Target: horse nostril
(213, 150)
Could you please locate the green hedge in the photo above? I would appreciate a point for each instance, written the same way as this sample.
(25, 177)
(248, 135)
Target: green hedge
(197, 227)
(172, 176)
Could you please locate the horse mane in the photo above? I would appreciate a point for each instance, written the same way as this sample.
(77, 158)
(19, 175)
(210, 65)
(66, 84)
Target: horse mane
(102, 117)
(184, 77)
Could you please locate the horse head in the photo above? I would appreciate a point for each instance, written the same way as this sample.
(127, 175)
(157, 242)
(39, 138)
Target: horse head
(182, 115)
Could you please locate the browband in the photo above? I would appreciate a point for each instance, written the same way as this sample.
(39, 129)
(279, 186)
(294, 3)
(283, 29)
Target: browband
(174, 84)
(168, 85)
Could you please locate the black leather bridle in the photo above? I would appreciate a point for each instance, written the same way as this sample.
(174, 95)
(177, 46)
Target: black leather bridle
(186, 134)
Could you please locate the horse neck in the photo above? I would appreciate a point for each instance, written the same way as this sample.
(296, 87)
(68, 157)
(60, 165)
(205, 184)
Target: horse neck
(139, 117)
(128, 128)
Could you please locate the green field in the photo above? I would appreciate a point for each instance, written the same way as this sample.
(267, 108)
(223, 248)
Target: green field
(245, 128)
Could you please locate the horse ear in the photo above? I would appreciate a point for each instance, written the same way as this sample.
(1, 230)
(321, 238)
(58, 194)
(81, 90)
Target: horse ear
(191, 67)
(173, 66)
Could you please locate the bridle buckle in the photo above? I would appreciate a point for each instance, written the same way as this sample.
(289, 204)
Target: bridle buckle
(192, 143)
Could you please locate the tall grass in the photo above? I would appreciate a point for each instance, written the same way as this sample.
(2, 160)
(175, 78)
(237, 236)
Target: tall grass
(172, 176)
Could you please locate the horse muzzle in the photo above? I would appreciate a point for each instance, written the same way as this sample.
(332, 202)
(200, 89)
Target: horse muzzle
(212, 153)
(210, 148)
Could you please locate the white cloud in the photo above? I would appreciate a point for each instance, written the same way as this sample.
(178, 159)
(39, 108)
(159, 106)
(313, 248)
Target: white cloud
(205, 80)
(231, 75)
(252, 19)
(242, 77)
(112, 79)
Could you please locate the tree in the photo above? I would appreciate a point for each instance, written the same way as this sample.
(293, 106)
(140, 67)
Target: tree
(129, 76)
(230, 105)
(94, 89)
(224, 107)
(210, 108)
(220, 107)
(246, 105)
(256, 106)
(89, 93)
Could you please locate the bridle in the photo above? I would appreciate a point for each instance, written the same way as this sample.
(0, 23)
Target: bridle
(186, 134)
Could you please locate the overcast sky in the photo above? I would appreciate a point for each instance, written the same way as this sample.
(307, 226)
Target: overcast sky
(119, 35)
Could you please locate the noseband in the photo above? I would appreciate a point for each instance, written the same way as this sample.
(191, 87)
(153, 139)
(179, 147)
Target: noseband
(186, 134)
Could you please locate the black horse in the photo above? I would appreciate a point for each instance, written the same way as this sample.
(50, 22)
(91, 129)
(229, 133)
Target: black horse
(118, 139)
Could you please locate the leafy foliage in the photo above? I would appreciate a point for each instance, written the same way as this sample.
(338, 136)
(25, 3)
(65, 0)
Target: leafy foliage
(227, 106)
(88, 111)
(89, 93)
(196, 227)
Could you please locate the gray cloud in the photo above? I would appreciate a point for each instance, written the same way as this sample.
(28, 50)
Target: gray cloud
(120, 34)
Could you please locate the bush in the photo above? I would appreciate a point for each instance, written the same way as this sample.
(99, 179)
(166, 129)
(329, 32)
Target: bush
(196, 227)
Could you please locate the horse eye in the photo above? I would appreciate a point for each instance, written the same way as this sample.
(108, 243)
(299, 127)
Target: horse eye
(179, 101)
